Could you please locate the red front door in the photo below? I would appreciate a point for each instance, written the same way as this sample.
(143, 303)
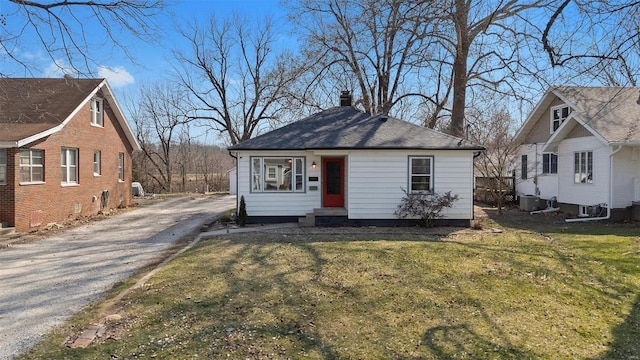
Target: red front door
(333, 182)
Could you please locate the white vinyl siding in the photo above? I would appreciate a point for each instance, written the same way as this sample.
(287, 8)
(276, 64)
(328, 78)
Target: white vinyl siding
(376, 180)
(545, 183)
(626, 169)
(571, 192)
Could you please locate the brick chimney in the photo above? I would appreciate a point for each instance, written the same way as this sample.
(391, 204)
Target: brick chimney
(345, 98)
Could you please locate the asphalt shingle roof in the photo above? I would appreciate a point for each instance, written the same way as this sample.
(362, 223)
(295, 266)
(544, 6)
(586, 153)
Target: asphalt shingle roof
(613, 112)
(29, 106)
(347, 128)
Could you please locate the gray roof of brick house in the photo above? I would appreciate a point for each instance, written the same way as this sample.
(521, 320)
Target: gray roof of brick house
(344, 127)
(613, 112)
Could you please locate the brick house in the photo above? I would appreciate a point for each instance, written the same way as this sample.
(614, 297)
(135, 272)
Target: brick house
(65, 151)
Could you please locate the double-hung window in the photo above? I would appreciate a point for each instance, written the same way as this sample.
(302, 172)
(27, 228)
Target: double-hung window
(69, 166)
(97, 163)
(120, 166)
(523, 167)
(3, 166)
(272, 174)
(549, 163)
(558, 115)
(31, 166)
(97, 113)
(583, 167)
(420, 174)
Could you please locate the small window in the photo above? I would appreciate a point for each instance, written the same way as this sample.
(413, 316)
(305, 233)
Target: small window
(31, 166)
(69, 166)
(583, 167)
(97, 117)
(121, 166)
(3, 166)
(558, 115)
(523, 167)
(549, 163)
(277, 174)
(97, 163)
(420, 174)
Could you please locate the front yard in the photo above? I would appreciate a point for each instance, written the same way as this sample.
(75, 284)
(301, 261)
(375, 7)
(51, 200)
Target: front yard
(548, 290)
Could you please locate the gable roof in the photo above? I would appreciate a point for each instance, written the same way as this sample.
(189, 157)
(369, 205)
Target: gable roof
(344, 127)
(610, 113)
(33, 108)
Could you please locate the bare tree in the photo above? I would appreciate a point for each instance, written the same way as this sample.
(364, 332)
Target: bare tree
(494, 129)
(235, 76)
(372, 47)
(159, 117)
(63, 29)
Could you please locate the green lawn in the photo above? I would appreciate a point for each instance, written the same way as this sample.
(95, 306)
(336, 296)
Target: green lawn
(572, 292)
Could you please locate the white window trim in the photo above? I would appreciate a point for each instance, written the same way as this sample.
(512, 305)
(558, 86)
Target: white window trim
(550, 172)
(430, 175)
(562, 120)
(583, 159)
(3, 166)
(97, 164)
(70, 153)
(259, 178)
(30, 166)
(120, 167)
(97, 117)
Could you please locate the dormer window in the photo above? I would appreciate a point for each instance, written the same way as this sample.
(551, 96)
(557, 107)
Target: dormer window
(97, 112)
(558, 115)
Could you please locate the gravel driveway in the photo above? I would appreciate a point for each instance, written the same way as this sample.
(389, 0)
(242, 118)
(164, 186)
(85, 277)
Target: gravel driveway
(43, 283)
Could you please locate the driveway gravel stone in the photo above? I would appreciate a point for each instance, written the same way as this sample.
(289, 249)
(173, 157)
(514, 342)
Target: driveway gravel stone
(42, 283)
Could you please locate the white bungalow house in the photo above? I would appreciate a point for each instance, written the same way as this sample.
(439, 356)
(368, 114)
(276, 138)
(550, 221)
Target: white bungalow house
(342, 166)
(581, 145)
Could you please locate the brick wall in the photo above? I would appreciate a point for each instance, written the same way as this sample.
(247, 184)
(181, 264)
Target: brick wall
(40, 204)
(7, 209)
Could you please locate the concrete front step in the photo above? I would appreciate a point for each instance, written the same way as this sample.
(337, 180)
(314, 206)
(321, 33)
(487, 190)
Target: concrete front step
(310, 219)
(6, 231)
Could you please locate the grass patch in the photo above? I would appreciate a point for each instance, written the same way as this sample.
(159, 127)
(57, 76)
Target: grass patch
(571, 293)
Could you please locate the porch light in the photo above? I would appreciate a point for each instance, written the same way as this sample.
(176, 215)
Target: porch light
(313, 164)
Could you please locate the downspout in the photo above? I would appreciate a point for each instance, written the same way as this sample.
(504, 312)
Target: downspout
(609, 204)
(237, 184)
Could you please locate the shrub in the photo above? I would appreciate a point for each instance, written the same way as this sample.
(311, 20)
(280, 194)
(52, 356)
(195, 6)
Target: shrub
(242, 212)
(426, 206)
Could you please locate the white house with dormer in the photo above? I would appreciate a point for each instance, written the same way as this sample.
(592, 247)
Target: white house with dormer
(581, 145)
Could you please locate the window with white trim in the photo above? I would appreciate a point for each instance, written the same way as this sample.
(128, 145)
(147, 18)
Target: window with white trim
(121, 166)
(31, 166)
(420, 173)
(69, 166)
(277, 174)
(3, 166)
(549, 163)
(97, 163)
(583, 167)
(97, 112)
(559, 114)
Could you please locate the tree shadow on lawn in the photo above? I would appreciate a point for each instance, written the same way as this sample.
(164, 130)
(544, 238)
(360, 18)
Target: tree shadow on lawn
(626, 343)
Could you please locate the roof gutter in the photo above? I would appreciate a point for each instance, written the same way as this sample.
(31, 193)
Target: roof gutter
(609, 204)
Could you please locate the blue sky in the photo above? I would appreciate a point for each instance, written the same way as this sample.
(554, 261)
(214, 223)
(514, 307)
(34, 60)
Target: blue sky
(152, 60)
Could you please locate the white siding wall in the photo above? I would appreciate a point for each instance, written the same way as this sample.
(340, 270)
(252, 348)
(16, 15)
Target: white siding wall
(278, 203)
(626, 167)
(547, 184)
(583, 194)
(376, 180)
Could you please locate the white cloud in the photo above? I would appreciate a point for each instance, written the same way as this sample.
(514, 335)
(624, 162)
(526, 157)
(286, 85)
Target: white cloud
(116, 76)
(57, 69)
